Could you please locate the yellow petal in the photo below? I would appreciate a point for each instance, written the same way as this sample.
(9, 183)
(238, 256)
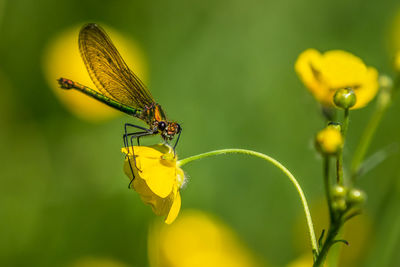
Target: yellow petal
(370, 88)
(160, 206)
(174, 211)
(159, 173)
(159, 178)
(309, 68)
(342, 69)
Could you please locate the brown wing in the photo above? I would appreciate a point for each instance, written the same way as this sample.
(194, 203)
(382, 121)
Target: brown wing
(108, 70)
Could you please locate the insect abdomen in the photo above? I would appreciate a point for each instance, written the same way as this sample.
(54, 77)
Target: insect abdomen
(69, 84)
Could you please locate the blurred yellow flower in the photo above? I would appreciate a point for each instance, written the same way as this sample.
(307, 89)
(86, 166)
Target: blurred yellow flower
(329, 140)
(62, 59)
(197, 239)
(157, 178)
(324, 74)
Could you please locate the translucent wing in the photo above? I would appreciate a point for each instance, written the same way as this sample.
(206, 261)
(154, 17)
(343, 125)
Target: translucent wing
(108, 70)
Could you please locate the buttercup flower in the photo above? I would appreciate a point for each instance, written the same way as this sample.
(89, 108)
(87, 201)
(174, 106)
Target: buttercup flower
(157, 178)
(329, 140)
(324, 74)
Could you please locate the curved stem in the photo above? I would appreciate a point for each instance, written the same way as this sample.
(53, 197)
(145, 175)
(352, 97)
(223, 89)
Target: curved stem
(279, 166)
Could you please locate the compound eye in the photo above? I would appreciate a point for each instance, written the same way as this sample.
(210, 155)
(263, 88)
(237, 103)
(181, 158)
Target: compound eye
(162, 125)
(178, 128)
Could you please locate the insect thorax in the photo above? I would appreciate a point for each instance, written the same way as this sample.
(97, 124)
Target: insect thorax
(153, 114)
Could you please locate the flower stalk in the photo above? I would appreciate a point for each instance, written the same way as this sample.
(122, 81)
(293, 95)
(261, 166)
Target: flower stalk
(339, 161)
(329, 241)
(328, 186)
(277, 164)
(337, 204)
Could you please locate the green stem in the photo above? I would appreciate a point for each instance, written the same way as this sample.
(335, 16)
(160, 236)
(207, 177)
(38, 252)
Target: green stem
(330, 240)
(339, 167)
(328, 187)
(339, 161)
(335, 221)
(345, 122)
(277, 164)
(362, 148)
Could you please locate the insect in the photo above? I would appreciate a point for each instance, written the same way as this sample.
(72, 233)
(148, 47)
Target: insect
(119, 87)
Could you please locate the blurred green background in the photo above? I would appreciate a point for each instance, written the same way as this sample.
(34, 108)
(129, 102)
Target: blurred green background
(224, 70)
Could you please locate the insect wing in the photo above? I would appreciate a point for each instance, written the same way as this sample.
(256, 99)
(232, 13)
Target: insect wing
(108, 70)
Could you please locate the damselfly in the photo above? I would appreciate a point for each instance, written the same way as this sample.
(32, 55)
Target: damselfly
(119, 87)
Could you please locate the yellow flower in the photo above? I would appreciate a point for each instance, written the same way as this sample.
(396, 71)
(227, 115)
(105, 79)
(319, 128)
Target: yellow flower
(324, 74)
(329, 140)
(197, 239)
(62, 59)
(157, 178)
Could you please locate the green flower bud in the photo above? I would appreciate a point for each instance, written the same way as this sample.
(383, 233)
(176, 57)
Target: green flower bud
(339, 192)
(345, 98)
(339, 205)
(356, 197)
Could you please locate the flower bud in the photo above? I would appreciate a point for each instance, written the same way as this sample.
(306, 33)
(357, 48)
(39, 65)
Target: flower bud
(329, 140)
(356, 197)
(335, 125)
(345, 98)
(339, 205)
(339, 192)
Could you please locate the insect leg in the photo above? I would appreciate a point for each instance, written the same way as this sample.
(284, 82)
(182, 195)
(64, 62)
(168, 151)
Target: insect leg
(132, 136)
(126, 134)
(177, 139)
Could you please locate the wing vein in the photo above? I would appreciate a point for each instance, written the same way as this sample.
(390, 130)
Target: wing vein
(108, 70)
